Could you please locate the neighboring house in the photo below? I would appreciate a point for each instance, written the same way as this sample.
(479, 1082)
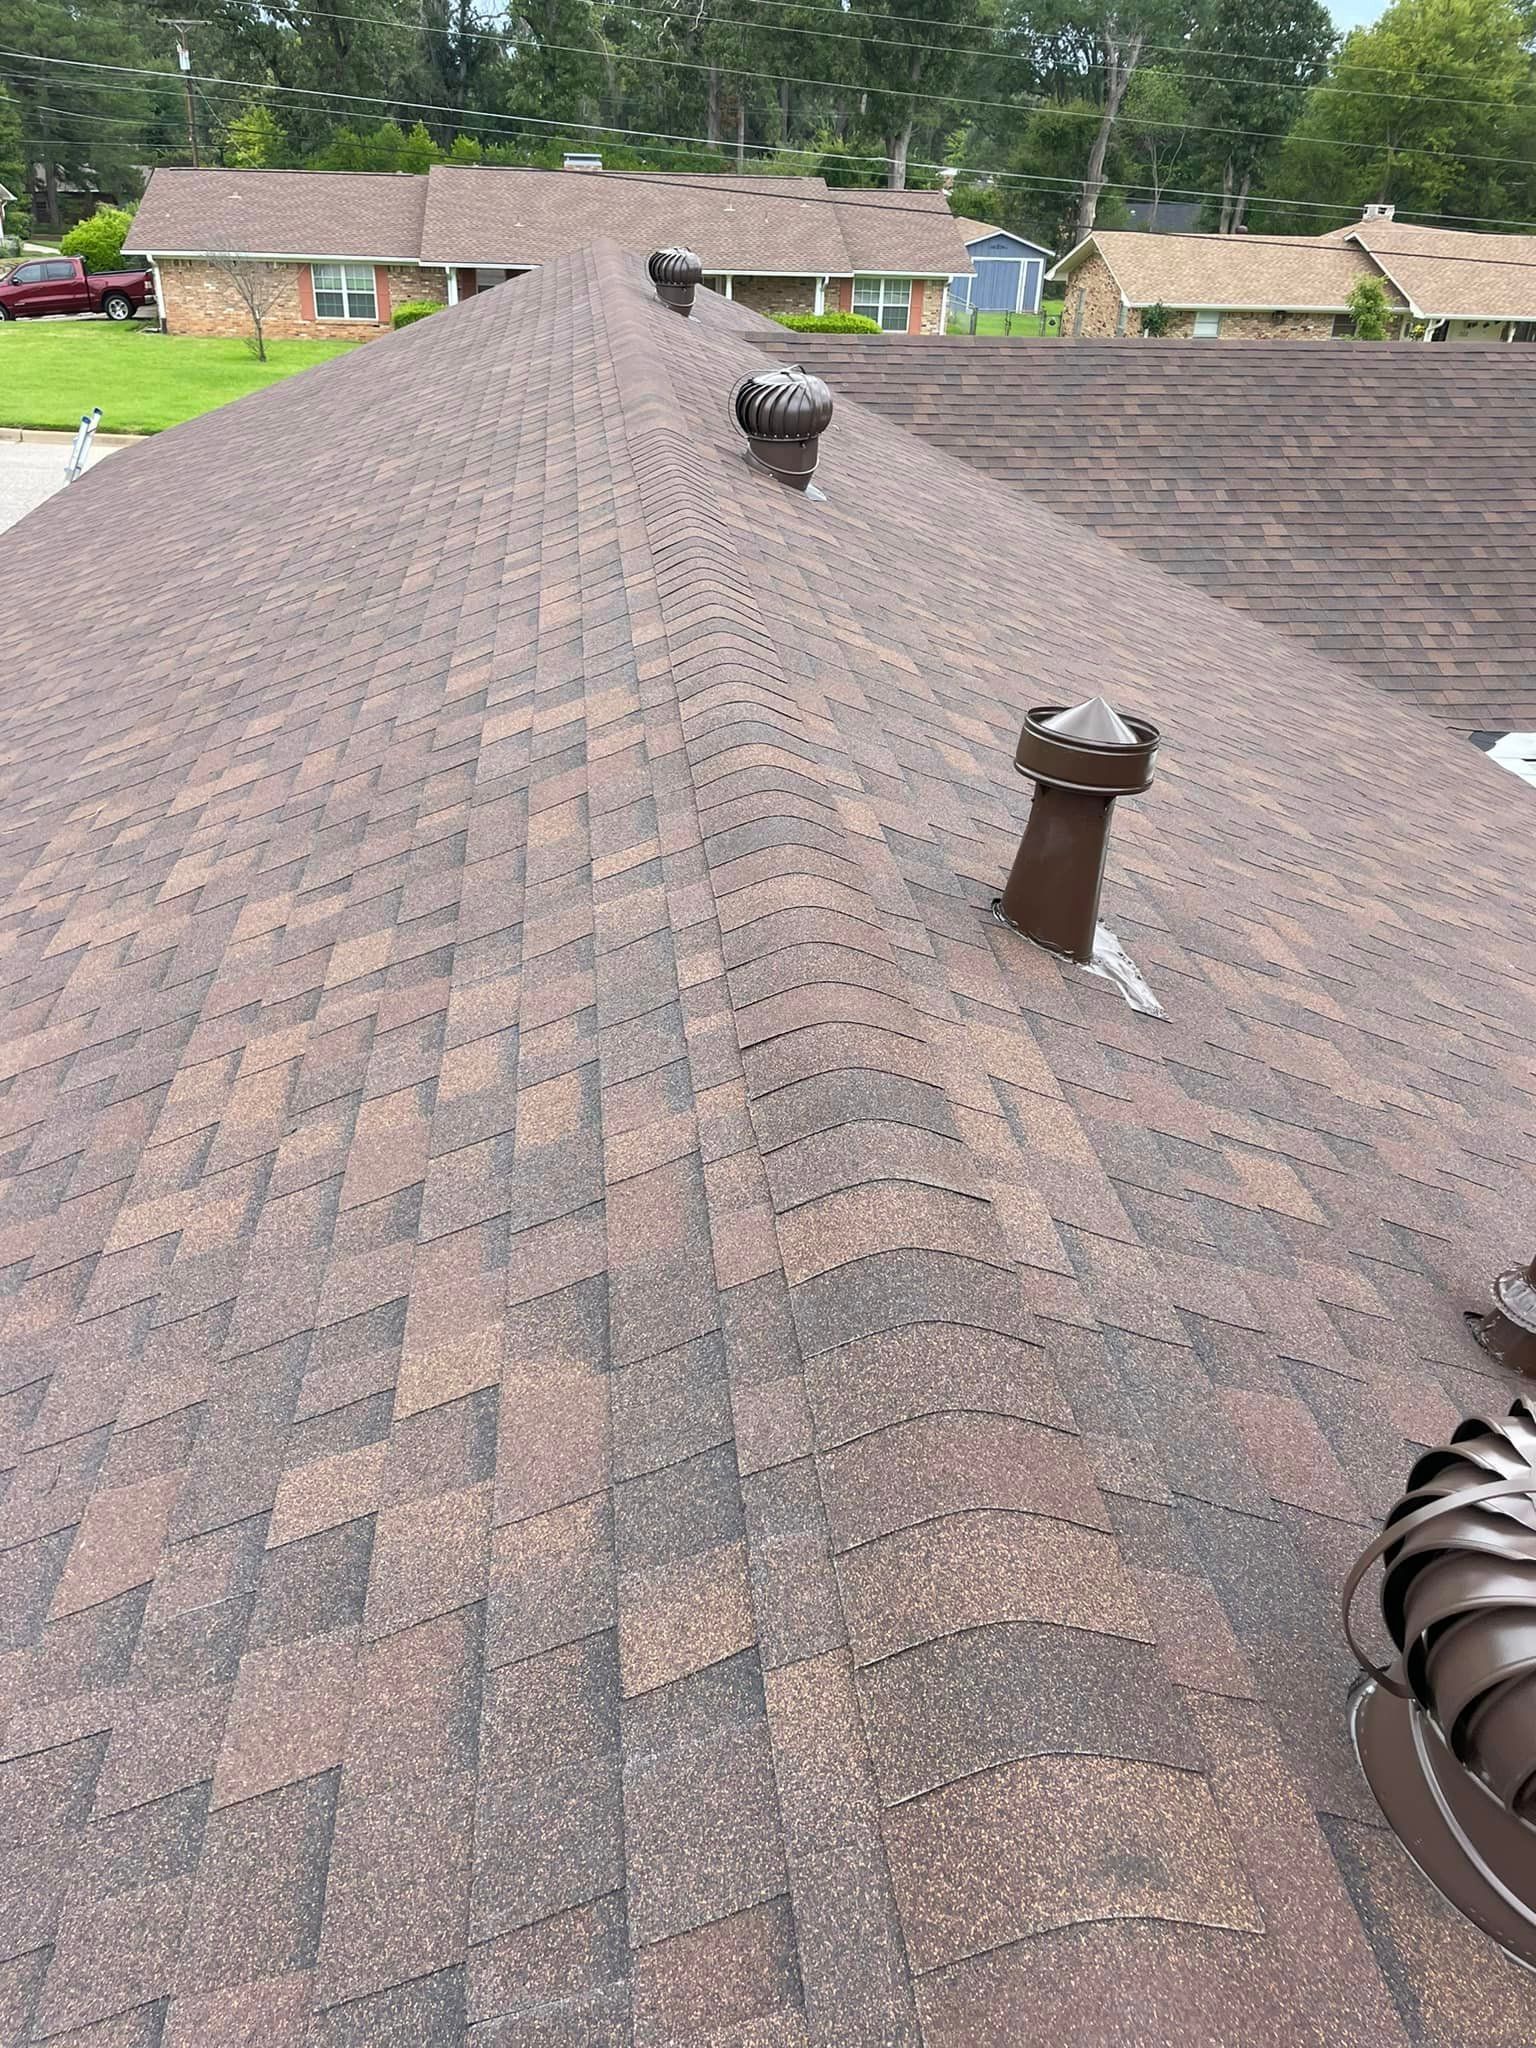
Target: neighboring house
(1376, 502)
(7, 198)
(1008, 270)
(1442, 284)
(1249, 287)
(626, 1421)
(353, 245)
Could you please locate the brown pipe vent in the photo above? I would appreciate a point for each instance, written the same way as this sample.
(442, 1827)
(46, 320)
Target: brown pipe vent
(1446, 1734)
(1081, 757)
(784, 414)
(676, 274)
(1508, 1331)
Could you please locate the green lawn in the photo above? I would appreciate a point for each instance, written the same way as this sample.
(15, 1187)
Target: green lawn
(53, 371)
(1048, 321)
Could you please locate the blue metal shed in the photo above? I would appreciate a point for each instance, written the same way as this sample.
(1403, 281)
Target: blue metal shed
(1009, 271)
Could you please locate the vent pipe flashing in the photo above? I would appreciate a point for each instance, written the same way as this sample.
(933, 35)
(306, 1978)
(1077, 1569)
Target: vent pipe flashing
(676, 274)
(784, 414)
(1081, 757)
(1508, 1331)
(1446, 1734)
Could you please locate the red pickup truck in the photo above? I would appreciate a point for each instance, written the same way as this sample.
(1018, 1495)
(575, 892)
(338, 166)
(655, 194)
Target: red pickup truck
(62, 284)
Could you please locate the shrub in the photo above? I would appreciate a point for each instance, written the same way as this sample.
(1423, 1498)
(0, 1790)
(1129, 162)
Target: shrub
(1156, 320)
(18, 223)
(828, 323)
(414, 309)
(1368, 309)
(99, 240)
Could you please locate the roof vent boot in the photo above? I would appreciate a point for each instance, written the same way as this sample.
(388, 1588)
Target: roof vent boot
(1081, 758)
(676, 274)
(784, 414)
(1446, 1734)
(1508, 1331)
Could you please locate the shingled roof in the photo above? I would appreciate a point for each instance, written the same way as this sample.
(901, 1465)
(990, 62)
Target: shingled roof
(756, 224)
(1230, 273)
(366, 214)
(1376, 502)
(627, 1422)
(519, 218)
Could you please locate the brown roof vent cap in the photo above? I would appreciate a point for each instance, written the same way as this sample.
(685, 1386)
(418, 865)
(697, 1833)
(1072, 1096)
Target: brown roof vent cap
(676, 274)
(784, 414)
(1446, 1733)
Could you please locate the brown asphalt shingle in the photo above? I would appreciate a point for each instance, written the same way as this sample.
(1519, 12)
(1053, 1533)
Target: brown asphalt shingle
(375, 214)
(704, 1445)
(523, 217)
(1373, 502)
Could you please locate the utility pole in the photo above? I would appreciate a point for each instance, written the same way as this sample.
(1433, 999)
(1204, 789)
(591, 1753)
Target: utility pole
(184, 65)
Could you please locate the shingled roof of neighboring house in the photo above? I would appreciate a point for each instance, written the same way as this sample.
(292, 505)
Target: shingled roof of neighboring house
(1455, 273)
(792, 226)
(627, 1422)
(1233, 273)
(1376, 502)
(364, 214)
(519, 218)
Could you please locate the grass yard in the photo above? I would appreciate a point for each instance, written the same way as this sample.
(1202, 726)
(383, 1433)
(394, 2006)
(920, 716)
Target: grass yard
(1047, 321)
(52, 371)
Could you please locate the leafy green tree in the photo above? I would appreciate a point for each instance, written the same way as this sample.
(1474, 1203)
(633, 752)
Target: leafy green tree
(419, 152)
(1155, 125)
(254, 141)
(910, 63)
(73, 124)
(1258, 96)
(1369, 310)
(99, 241)
(1416, 109)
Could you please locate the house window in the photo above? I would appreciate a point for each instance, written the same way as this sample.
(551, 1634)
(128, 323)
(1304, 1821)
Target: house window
(344, 291)
(886, 299)
(1207, 326)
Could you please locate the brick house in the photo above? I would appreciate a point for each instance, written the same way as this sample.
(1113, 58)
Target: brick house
(354, 245)
(1441, 284)
(1257, 287)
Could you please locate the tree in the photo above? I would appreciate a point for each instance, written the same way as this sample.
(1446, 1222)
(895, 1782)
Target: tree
(1257, 97)
(1369, 310)
(98, 242)
(910, 62)
(1124, 29)
(258, 286)
(1155, 123)
(253, 141)
(1415, 110)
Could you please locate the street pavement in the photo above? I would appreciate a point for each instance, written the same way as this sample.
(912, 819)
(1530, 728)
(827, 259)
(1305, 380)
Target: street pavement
(31, 471)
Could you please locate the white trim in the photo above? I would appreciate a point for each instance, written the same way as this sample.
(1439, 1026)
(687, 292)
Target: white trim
(154, 271)
(944, 310)
(1039, 248)
(272, 256)
(453, 284)
(821, 297)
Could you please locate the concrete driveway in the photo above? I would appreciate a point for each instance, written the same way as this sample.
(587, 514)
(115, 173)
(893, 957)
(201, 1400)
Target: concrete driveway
(33, 469)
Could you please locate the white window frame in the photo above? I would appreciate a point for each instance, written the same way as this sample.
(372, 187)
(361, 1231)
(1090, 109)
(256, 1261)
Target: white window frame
(348, 289)
(1207, 325)
(881, 295)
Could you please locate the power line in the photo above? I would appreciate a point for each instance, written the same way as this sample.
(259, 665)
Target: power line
(960, 100)
(892, 43)
(519, 122)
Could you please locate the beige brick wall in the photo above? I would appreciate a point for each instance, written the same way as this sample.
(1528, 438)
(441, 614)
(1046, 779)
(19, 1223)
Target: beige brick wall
(1254, 326)
(198, 299)
(931, 320)
(775, 294)
(1093, 302)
